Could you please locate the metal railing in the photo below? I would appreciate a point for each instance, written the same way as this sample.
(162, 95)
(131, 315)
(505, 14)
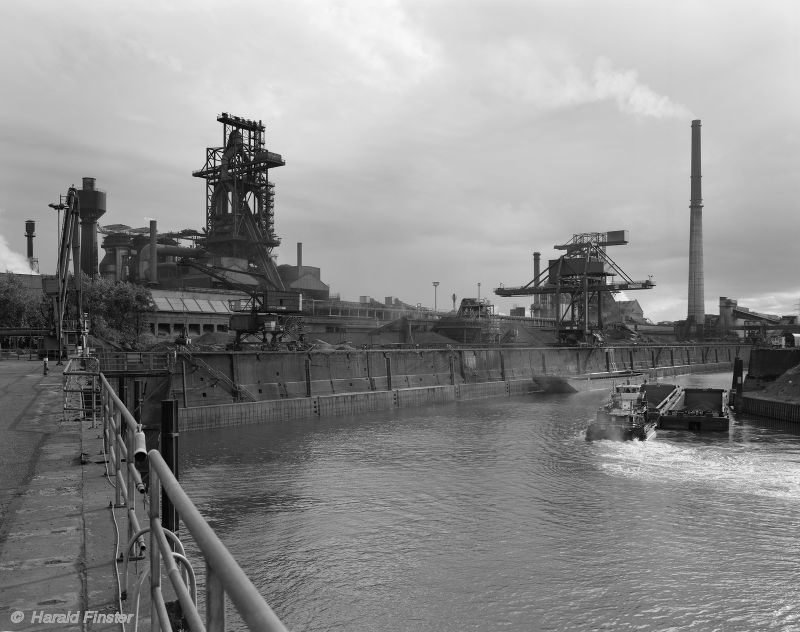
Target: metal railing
(124, 443)
(82, 387)
(134, 361)
(224, 576)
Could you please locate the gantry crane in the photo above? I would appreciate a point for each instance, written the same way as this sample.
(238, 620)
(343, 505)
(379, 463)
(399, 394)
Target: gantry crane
(577, 280)
(268, 313)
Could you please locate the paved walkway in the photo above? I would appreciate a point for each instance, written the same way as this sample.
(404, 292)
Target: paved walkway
(57, 530)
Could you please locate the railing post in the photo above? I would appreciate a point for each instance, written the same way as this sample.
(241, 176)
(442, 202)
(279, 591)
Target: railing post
(168, 448)
(137, 401)
(118, 459)
(183, 378)
(105, 402)
(131, 485)
(155, 554)
(122, 390)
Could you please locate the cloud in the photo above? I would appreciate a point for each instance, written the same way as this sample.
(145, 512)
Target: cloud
(779, 303)
(11, 261)
(383, 46)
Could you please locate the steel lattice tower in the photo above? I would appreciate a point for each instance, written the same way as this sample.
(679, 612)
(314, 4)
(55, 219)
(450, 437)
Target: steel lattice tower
(239, 196)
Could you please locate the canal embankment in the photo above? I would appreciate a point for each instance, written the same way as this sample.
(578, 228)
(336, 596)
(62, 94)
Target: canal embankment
(222, 389)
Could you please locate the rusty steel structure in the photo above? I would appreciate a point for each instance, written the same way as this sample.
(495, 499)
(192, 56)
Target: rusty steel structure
(577, 280)
(240, 197)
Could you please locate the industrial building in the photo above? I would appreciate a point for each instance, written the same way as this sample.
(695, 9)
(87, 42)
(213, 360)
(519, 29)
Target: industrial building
(224, 277)
(578, 287)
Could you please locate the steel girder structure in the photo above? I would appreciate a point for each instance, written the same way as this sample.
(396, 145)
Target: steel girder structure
(239, 197)
(581, 275)
(266, 313)
(69, 244)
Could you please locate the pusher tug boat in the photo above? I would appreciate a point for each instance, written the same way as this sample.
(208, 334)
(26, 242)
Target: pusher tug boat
(624, 417)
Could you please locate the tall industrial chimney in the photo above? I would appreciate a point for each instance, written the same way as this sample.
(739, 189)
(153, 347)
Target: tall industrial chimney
(696, 311)
(299, 256)
(153, 251)
(30, 233)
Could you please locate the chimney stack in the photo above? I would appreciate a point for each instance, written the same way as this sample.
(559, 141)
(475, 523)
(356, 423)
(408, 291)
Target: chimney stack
(153, 251)
(30, 233)
(696, 308)
(299, 255)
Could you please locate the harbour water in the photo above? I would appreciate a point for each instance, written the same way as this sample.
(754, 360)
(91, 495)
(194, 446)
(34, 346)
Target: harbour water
(497, 514)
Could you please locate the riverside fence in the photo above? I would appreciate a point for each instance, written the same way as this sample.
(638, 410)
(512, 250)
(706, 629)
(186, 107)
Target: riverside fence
(124, 442)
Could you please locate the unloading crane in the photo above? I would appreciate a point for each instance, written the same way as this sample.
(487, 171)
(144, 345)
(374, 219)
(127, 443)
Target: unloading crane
(267, 312)
(576, 281)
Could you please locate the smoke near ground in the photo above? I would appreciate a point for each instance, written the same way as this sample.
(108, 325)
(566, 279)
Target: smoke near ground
(11, 261)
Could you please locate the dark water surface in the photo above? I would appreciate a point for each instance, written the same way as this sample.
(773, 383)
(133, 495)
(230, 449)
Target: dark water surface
(497, 514)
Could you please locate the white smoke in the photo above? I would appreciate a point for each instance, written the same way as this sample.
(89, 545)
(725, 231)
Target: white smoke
(11, 261)
(631, 96)
(551, 79)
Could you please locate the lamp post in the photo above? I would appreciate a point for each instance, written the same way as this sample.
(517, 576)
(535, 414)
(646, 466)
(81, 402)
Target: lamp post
(435, 285)
(59, 334)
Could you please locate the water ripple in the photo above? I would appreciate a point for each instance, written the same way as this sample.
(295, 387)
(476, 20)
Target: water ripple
(499, 515)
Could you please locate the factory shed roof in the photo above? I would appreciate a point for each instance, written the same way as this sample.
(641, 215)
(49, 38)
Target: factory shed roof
(745, 314)
(190, 305)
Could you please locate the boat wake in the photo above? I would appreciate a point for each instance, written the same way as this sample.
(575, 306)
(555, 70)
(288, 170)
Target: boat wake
(735, 468)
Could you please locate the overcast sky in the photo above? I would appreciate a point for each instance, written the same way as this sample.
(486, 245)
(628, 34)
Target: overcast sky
(426, 140)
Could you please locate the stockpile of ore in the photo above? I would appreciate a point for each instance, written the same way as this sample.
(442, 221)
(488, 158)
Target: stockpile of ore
(786, 388)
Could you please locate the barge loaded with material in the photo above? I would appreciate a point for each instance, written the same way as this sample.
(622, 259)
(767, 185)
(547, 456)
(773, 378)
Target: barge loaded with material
(698, 409)
(660, 396)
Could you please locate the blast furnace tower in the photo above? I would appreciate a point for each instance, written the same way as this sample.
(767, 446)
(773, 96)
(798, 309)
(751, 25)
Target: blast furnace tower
(696, 311)
(239, 199)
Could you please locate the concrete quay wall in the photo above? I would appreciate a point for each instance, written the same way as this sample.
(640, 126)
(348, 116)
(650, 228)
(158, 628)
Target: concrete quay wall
(290, 386)
(237, 414)
(208, 378)
(769, 408)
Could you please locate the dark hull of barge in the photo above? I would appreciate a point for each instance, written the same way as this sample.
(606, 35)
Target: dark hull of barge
(698, 410)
